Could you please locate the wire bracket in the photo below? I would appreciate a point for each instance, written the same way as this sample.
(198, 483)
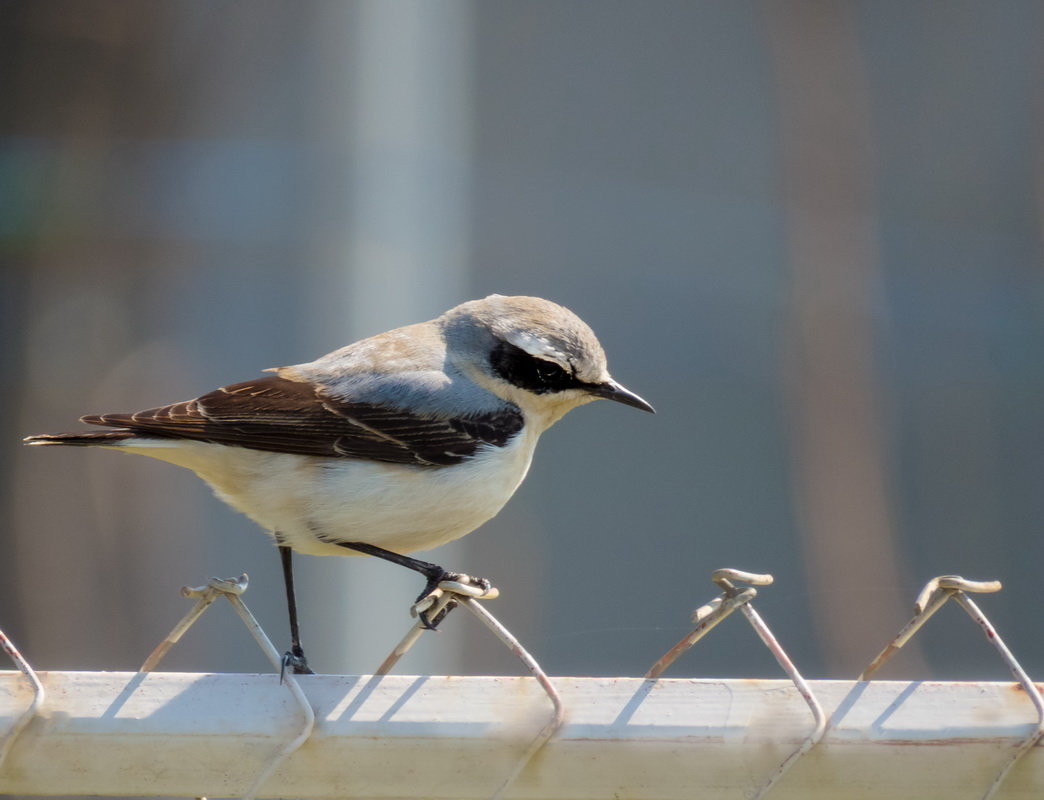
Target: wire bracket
(12, 734)
(708, 616)
(437, 604)
(934, 596)
(232, 589)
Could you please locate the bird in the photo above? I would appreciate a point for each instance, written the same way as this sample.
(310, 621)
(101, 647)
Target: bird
(397, 443)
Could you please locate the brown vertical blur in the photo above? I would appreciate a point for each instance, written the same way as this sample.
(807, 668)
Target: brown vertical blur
(838, 435)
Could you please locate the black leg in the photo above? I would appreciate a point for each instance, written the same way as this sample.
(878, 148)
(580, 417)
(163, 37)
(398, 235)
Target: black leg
(294, 657)
(433, 572)
(425, 568)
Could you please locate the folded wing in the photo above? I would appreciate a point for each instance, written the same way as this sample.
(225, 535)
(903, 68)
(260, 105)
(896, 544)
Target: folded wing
(284, 416)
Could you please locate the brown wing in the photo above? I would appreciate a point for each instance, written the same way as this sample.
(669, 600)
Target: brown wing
(284, 416)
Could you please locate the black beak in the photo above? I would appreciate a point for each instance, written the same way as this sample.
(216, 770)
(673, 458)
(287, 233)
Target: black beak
(611, 390)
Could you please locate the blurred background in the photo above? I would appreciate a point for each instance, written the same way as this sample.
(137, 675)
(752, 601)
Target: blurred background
(810, 233)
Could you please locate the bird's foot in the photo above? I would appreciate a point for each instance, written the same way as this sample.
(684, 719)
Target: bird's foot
(441, 581)
(294, 660)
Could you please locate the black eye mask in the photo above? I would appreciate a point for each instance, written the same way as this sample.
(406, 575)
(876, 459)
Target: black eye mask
(528, 372)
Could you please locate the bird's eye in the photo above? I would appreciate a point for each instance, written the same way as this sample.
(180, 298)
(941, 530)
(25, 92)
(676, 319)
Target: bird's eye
(549, 372)
(537, 375)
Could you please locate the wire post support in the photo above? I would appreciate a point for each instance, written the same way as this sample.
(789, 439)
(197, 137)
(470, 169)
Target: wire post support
(709, 615)
(438, 604)
(231, 589)
(934, 596)
(39, 694)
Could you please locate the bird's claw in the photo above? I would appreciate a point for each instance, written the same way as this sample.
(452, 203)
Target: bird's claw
(294, 660)
(430, 623)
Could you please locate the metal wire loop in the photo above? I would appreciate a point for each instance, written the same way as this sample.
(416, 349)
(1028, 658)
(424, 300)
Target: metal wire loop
(232, 589)
(930, 599)
(446, 596)
(707, 616)
(39, 695)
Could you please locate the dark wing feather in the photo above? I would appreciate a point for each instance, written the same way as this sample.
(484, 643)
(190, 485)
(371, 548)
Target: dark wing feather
(284, 416)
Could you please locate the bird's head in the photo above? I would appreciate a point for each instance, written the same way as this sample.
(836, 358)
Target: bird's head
(533, 352)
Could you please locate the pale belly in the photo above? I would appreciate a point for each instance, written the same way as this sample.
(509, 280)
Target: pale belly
(310, 503)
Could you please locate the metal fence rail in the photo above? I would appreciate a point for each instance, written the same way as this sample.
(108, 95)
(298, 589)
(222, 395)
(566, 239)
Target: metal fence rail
(399, 736)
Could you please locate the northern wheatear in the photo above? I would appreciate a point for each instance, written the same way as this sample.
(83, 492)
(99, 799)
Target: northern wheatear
(400, 442)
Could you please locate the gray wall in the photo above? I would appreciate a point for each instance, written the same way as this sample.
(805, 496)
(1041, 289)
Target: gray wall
(809, 233)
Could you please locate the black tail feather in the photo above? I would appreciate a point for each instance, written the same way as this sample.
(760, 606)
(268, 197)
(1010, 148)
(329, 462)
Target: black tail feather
(80, 439)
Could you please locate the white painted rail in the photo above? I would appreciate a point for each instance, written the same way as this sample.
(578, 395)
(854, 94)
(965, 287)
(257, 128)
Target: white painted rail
(397, 737)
